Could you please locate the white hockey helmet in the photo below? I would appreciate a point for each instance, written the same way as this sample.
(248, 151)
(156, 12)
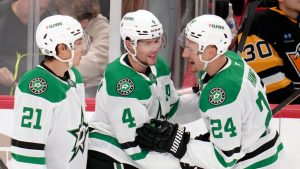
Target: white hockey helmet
(208, 30)
(58, 29)
(139, 25)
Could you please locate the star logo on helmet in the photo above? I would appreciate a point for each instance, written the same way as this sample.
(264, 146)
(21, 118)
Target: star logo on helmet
(125, 86)
(37, 85)
(216, 96)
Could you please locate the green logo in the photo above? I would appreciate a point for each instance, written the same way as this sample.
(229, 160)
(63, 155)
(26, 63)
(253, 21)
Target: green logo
(216, 96)
(152, 77)
(38, 85)
(71, 83)
(125, 86)
(80, 134)
(192, 21)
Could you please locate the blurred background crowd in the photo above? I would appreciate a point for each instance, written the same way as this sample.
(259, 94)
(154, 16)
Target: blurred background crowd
(273, 54)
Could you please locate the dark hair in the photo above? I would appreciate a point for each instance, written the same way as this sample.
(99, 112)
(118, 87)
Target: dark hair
(86, 9)
(50, 58)
(79, 9)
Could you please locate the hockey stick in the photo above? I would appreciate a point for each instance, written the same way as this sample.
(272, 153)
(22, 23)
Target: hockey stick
(2, 166)
(287, 101)
(247, 20)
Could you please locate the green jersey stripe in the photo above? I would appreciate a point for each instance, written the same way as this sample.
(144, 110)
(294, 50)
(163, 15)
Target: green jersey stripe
(174, 108)
(26, 159)
(114, 141)
(139, 156)
(222, 160)
(267, 161)
(118, 166)
(106, 138)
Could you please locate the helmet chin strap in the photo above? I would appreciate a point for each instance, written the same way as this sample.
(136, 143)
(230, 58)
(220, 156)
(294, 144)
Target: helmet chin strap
(134, 54)
(69, 61)
(207, 62)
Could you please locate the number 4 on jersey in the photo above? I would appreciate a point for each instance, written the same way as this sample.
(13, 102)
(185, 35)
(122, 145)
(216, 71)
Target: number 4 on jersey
(127, 118)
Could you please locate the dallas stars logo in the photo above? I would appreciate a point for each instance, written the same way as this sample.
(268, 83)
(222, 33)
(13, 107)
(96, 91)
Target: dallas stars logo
(216, 96)
(71, 83)
(37, 85)
(125, 86)
(152, 77)
(80, 134)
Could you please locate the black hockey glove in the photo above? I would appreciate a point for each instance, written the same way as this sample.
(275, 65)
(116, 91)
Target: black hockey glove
(187, 166)
(162, 136)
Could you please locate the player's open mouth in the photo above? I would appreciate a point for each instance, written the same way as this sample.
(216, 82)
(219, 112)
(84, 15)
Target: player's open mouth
(152, 56)
(191, 62)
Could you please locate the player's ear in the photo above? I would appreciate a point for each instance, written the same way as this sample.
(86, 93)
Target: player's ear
(129, 46)
(60, 48)
(212, 50)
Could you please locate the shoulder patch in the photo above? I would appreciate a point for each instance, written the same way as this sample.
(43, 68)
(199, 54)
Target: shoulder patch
(216, 96)
(125, 86)
(37, 85)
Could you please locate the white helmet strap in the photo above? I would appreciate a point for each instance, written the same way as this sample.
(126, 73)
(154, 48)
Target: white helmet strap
(206, 62)
(69, 61)
(134, 54)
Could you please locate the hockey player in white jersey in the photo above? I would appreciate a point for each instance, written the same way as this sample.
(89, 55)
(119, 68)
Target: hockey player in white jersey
(136, 88)
(50, 126)
(232, 103)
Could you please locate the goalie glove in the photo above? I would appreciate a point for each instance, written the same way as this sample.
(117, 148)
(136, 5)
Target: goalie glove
(162, 136)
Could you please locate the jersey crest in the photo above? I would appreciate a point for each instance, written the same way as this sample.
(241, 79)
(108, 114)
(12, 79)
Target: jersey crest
(38, 85)
(216, 96)
(125, 86)
(71, 83)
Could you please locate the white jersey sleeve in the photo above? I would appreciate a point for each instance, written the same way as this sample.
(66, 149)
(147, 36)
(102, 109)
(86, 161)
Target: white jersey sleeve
(187, 110)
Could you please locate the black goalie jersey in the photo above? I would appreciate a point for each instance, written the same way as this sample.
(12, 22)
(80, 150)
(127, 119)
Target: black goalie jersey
(272, 49)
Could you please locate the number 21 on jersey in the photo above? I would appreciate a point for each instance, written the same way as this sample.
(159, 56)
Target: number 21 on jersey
(31, 118)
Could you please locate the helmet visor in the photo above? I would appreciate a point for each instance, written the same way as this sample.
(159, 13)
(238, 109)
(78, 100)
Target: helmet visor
(155, 43)
(164, 40)
(182, 39)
